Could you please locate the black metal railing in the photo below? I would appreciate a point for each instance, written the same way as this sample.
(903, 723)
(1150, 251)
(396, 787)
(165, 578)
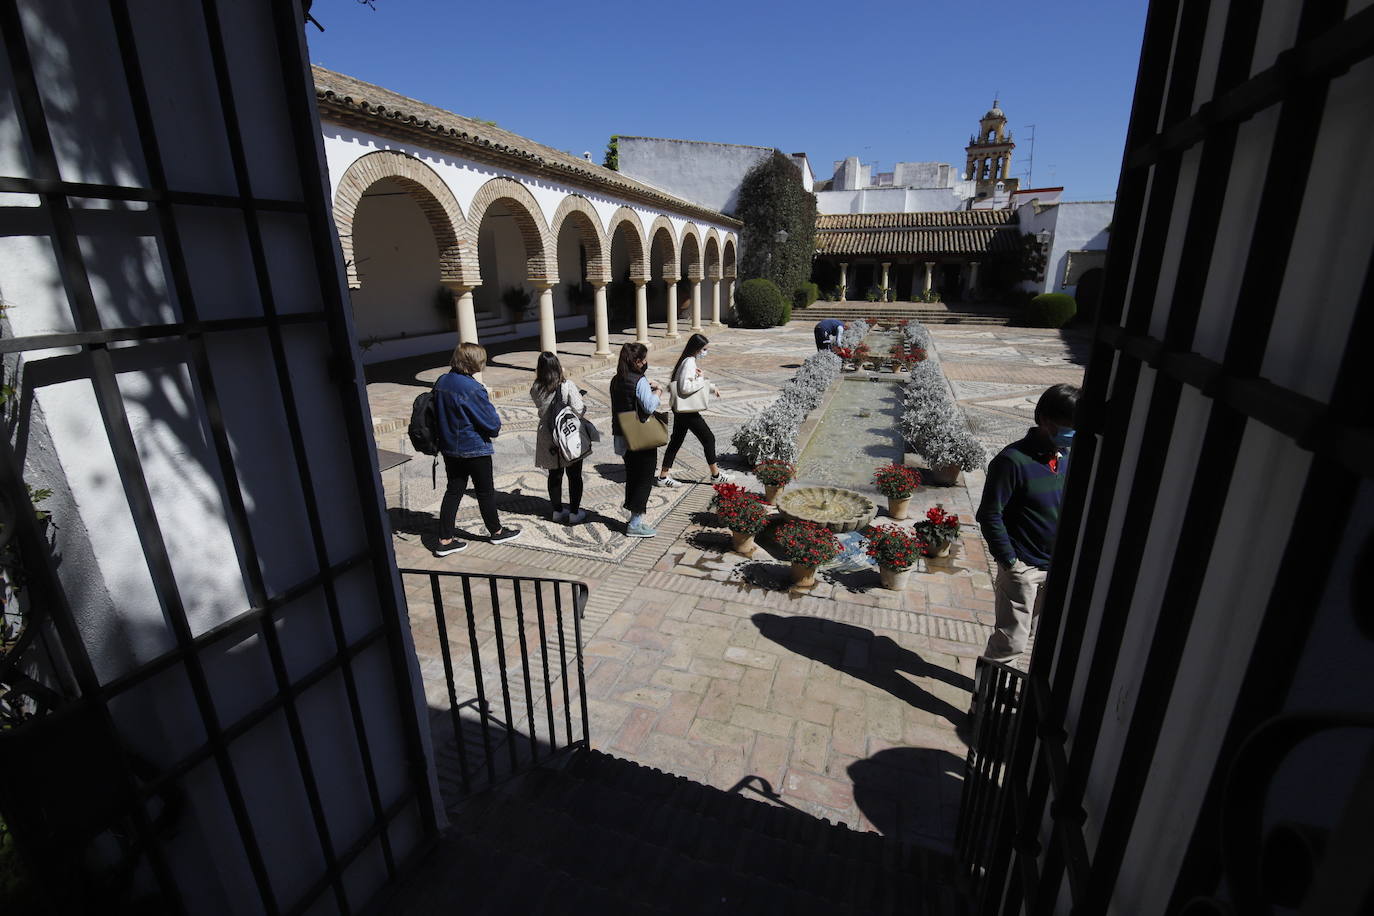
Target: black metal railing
(515, 690)
(998, 696)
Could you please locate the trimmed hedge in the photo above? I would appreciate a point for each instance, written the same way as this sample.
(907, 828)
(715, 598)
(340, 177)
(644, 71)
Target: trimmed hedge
(1050, 310)
(806, 294)
(759, 303)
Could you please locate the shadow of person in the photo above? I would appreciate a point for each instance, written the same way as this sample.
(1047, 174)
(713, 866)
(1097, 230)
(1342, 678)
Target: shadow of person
(860, 653)
(911, 794)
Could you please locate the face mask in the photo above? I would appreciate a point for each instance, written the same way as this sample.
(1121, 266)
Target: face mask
(1063, 439)
(701, 355)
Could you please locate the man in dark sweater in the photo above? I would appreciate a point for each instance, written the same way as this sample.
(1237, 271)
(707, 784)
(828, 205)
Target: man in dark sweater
(828, 332)
(1019, 516)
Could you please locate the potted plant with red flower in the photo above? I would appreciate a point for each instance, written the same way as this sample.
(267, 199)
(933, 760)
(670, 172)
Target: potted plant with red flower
(897, 482)
(806, 545)
(939, 529)
(742, 512)
(774, 474)
(896, 550)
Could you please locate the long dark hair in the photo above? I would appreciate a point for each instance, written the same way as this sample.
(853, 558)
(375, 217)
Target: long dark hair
(695, 344)
(631, 353)
(548, 373)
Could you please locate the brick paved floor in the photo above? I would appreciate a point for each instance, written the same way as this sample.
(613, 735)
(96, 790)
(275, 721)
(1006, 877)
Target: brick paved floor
(844, 699)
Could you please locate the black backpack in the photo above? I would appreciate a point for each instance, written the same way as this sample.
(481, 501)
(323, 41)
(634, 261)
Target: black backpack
(424, 424)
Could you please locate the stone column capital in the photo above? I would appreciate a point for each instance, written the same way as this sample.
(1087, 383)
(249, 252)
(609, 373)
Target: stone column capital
(640, 282)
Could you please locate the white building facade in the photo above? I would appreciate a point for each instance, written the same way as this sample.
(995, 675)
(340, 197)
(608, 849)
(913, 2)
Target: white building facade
(449, 224)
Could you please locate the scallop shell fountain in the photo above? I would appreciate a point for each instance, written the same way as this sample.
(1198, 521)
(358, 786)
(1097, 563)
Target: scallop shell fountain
(835, 508)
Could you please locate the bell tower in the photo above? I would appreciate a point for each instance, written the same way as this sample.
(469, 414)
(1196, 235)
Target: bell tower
(989, 154)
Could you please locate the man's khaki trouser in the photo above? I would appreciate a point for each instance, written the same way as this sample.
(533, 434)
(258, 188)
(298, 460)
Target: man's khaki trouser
(1018, 591)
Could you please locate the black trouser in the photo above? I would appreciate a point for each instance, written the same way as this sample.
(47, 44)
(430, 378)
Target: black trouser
(639, 479)
(458, 471)
(574, 472)
(682, 422)
(822, 339)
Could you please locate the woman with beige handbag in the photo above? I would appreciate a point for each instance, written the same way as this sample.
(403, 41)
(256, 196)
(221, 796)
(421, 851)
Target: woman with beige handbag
(691, 395)
(638, 432)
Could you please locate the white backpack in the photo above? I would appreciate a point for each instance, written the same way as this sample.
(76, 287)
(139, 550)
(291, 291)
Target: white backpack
(565, 428)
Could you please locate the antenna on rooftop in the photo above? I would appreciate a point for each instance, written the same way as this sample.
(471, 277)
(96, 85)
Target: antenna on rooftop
(1030, 159)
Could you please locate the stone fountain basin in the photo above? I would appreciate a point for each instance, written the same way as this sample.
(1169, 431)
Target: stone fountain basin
(835, 508)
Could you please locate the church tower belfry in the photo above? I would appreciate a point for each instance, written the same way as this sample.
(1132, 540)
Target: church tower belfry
(989, 154)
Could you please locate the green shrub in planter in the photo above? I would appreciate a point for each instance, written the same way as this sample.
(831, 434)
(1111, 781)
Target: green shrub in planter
(759, 303)
(1050, 310)
(806, 294)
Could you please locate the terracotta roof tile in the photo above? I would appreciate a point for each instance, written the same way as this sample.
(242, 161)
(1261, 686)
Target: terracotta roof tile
(952, 232)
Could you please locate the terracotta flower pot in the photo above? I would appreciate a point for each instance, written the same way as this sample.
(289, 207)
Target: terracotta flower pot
(897, 506)
(893, 578)
(742, 544)
(803, 576)
(770, 492)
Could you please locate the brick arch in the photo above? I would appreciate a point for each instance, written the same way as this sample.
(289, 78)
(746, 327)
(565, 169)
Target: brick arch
(588, 226)
(663, 242)
(457, 255)
(540, 262)
(691, 250)
(639, 262)
(727, 258)
(712, 255)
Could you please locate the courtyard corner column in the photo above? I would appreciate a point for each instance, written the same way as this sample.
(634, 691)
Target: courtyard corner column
(972, 276)
(641, 312)
(696, 305)
(729, 295)
(844, 279)
(930, 268)
(887, 265)
(672, 307)
(603, 336)
(548, 340)
(715, 303)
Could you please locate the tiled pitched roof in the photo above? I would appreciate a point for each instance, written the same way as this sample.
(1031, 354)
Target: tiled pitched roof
(345, 100)
(951, 232)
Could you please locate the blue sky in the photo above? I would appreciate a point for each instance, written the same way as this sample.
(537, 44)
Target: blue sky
(885, 82)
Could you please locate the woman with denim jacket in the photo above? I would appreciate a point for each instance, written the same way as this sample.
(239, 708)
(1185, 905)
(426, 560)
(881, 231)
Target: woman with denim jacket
(631, 391)
(467, 423)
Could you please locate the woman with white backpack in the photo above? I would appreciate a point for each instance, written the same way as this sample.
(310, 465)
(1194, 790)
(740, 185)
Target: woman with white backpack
(554, 450)
(691, 394)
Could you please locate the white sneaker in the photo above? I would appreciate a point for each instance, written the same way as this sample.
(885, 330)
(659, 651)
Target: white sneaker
(560, 517)
(722, 477)
(666, 482)
(577, 517)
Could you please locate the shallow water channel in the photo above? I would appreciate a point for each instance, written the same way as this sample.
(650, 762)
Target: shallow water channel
(858, 431)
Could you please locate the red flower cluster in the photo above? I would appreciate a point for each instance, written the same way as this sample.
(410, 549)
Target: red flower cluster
(940, 517)
(807, 543)
(774, 472)
(907, 357)
(896, 481)
(894, 546)
(937, 529)
(844, 353)
(738, 509)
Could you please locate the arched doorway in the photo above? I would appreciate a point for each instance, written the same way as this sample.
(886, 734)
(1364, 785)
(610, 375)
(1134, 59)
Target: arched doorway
(628, 264)
(663, 274)
(514, 254)
(712, 267)
(581, 249)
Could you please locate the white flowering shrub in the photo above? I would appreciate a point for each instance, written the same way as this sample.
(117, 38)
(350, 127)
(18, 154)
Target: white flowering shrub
(854, 333)
(772, 432)
(932, 423)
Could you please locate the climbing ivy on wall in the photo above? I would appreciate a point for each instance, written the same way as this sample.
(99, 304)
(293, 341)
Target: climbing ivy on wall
(612, 160)
(772, 198)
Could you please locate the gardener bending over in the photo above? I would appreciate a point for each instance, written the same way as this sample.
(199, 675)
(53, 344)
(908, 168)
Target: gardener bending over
(1019, 516)
(828, 333)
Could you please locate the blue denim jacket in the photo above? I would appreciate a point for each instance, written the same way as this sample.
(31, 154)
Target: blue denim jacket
(467, 420)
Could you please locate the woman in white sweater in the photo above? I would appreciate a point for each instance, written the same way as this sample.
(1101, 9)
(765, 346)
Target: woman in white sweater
(691, 393)
(550, 384)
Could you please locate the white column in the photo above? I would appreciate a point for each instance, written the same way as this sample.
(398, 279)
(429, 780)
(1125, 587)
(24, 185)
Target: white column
(886, 266)
(930, 267)
(729, 294)
(696, 305)
(844, 279)
(715, 302)
(641, 312)
(972, 276)
(603, 336)
(467, 317)
(548, 340)
(672, 308)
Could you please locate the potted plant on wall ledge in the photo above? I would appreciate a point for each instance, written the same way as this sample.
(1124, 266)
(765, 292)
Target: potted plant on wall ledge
(518, 299)
(897, 482)
(806, 545)
(939, 530)
(896, 550)
(774, 474)
(742, 512)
